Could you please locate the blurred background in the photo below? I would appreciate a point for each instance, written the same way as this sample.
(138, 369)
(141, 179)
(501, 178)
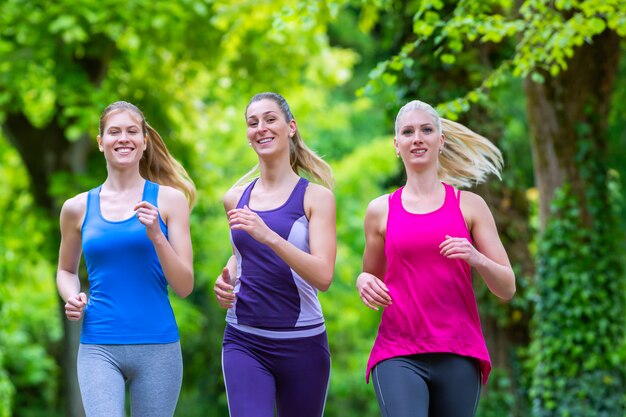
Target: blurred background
(545, 80)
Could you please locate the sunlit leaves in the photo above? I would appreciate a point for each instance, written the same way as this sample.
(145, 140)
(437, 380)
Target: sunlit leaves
(28, 301)
(545, 34)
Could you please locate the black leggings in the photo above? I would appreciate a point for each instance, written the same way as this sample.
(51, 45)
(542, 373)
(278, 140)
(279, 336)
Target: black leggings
(427, 385)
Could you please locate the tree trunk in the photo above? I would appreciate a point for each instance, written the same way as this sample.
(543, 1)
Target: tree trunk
(579, 304)
(560, 107)
(45, 152)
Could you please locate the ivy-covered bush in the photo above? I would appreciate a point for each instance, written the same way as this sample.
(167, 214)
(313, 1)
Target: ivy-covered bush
(577, 352)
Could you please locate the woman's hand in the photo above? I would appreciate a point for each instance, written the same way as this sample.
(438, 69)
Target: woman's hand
(75, 306)
(223, 289)
(460, 248)
(149, 216)
(250, 222)
(373, 291)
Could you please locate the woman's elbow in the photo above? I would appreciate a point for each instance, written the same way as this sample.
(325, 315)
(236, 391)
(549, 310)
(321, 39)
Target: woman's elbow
(508, 295)
(508, 292)
(324, 284)
(183, 291)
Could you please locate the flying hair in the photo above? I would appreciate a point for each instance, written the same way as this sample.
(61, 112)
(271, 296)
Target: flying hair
(467, 158)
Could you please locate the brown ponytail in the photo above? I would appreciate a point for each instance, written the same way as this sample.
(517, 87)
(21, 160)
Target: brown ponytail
(157, 164)
(300, 156)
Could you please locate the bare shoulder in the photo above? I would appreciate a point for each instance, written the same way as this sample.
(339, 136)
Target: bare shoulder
(378, 207)
(375, 222)
(173, 205)
(73, 210)
(475, 210)
(319, 199)
(232, 196)
(171, 195)
(472, 202)
(319, 194)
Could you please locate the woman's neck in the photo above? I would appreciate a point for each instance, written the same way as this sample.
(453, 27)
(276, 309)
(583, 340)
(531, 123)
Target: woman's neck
(422, 183)
(276, 175)
(123, 180)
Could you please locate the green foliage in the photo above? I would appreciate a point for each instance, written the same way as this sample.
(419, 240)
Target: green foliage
(497, 400)
(29, 319)
(538, 35)
(192, 65)
(578, 350)
(352, 326)
(7, 389)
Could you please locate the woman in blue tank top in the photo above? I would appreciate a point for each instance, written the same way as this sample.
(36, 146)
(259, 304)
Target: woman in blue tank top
(133, 231)
(275, 351)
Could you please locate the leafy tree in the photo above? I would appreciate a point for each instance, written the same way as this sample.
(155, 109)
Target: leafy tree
(29, 321)
(182, 62)
(567, 54)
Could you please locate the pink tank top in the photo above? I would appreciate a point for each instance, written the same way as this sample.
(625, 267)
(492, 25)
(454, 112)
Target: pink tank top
(433, 303)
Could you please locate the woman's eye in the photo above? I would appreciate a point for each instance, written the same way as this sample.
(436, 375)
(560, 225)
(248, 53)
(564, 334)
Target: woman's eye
(427, 130)
(407, 132)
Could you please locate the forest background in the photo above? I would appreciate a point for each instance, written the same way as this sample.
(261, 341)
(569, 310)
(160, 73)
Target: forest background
(545, 80)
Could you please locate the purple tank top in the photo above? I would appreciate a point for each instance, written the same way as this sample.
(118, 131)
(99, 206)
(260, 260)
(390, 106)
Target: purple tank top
(270, 295)
(434, 307)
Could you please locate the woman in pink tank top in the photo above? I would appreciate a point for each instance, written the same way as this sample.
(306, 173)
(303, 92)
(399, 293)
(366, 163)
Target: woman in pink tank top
(429, 357)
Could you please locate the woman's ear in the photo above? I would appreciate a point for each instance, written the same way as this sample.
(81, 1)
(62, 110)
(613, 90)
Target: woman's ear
(100, 147)
(293, 127)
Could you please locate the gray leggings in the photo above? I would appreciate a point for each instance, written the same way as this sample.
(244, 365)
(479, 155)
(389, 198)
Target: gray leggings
(154, 374)
(427, 385)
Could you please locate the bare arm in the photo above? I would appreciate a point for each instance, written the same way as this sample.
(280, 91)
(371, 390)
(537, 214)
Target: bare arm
(175, 252)
(318, 266)
(225, 282)
(370, 285)
(488, 256)
(68, 282)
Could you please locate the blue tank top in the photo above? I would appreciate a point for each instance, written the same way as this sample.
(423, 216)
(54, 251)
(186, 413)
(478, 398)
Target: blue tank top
(128, 299)
(270, 295)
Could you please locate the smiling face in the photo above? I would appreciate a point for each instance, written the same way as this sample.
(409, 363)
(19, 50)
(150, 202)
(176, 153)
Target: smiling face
(122, 139)
(417, 140)
(268, 130)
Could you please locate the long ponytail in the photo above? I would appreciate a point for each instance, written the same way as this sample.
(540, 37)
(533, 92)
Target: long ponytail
(301, 157)
(157, 164)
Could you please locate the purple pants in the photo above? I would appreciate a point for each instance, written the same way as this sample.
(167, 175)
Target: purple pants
(263, 374)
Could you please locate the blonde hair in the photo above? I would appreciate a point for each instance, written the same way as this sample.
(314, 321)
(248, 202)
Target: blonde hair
(300, 156)
(157, 164)
(467, 157)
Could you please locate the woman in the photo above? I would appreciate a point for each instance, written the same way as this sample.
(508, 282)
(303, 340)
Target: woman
(275, 350)
(134, 232)
(422, 240)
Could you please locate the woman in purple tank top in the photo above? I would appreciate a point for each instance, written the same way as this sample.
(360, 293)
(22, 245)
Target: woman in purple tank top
(275, 352)
(429, 357)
